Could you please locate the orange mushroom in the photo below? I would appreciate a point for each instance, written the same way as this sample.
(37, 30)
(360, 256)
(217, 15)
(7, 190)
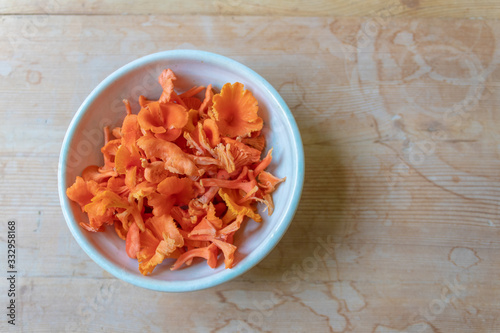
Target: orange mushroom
(235, 111)
(180, 177)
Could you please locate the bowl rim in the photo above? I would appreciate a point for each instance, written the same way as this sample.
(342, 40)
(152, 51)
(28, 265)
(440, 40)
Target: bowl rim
(208, 281)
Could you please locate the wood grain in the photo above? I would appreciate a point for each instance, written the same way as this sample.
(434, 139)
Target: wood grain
(314, 8)
(397, 229)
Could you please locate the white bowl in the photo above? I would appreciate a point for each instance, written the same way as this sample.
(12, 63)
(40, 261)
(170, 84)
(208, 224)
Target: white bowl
(84, 138)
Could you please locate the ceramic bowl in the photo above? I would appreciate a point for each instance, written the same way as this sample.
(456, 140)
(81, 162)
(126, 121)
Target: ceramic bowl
(84, 138)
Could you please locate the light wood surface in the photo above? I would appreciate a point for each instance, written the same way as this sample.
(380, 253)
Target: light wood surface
(344, 8)
(398, 227)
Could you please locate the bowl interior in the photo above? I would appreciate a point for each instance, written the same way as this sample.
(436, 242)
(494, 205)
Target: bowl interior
(104, 107)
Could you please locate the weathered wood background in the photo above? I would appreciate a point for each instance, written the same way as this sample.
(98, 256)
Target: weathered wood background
(397, 103)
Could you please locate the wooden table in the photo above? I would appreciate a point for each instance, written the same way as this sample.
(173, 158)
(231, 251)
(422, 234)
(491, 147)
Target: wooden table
(397, 103)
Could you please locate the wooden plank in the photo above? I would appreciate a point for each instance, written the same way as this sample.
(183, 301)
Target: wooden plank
(356, 8)
(405, 190)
